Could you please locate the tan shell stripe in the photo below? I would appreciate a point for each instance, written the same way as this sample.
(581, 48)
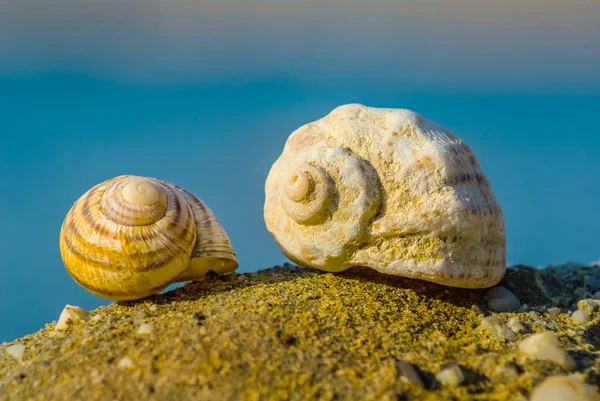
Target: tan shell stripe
(87, 259)
(124, 205)
(207, 224)
(114, 214)
(103, 231)
(120, 294)
(134, 238)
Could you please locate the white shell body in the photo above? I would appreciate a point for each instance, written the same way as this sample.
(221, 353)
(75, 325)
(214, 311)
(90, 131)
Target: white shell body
(385, 188)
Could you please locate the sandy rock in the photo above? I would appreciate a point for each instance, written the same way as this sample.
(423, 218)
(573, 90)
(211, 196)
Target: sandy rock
(293, 333)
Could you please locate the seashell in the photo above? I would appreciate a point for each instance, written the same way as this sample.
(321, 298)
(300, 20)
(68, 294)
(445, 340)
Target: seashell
(131, 237)
(388, 189)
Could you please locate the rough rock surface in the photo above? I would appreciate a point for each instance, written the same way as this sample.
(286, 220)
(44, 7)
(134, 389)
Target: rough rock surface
(300, 334)
(385, 188)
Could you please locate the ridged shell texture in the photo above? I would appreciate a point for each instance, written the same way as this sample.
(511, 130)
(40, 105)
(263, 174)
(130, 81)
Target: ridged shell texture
(385, 188)
(130, 237)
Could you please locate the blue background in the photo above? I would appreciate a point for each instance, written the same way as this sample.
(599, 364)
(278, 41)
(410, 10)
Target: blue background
(206, 95)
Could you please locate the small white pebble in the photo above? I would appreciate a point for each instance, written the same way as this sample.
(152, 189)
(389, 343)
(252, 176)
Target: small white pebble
(96, 378)
(145, 329)
(139, 316)
(96, 318)
(152, 307)
(581, 316)
(495, 326)
(16, 351)
(501, 299)
(563, 388)
(516, 325)
(126, 363)
(70, 315)
(546, 346)
(450, 374)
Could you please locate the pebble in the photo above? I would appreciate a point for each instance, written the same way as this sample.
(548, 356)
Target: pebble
(563, 388)
(408, 373)
(126, 363)
(450, 374)
(96, 377)
(589, 305)
(554, 311)
(581, 316)
(153, 307)
(495, 326)
(70, 315)
(139, 317)
(501, 299)
(546, 346)
(516, 325)
(145, 329)
(16, 351)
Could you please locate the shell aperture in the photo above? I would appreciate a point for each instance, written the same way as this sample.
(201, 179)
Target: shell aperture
(130, 237)
(403, 196)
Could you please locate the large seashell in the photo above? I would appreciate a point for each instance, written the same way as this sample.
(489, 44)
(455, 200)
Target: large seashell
(130, 237)
(385, 188)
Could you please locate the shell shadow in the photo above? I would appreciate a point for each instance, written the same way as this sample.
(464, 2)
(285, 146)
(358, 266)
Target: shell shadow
(458, 296)
(520, 280)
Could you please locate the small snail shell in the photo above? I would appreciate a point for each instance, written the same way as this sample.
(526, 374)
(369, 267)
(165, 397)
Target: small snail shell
(385, 188)
(130, 237)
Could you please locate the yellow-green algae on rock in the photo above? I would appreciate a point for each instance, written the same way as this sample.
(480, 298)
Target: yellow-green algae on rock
(290, 333)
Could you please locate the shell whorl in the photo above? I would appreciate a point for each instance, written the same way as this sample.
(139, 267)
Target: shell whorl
(407, 198)
(212, 250)
(134, 201)
(308, 194)
(130, 237)
(327, 197)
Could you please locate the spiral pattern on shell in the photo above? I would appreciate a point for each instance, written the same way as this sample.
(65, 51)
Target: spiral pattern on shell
(327, 198)
(308, 194)
(130, 237)
(388, 189)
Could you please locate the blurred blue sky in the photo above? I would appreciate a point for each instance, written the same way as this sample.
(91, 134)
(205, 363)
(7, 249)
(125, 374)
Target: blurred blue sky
(205, 95)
